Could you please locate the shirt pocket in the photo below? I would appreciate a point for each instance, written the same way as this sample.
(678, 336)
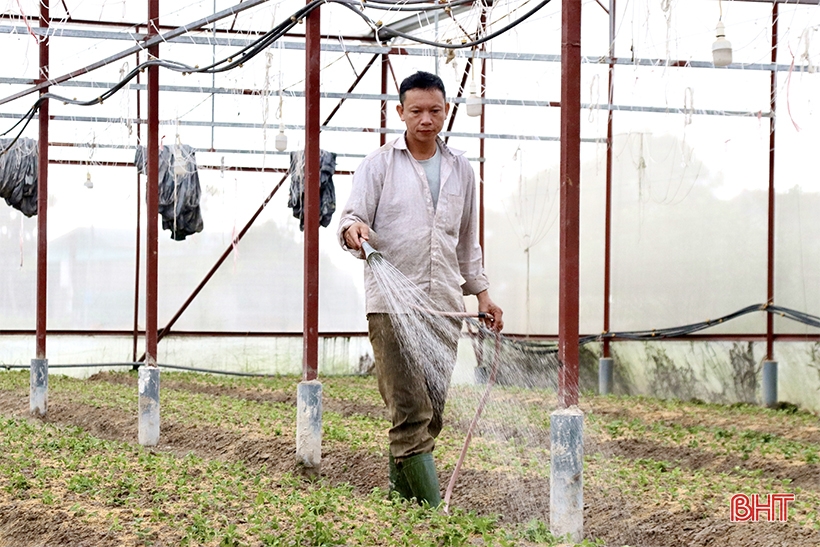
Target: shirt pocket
(451, 209)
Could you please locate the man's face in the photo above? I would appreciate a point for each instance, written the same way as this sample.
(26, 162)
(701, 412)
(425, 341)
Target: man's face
(423, 112)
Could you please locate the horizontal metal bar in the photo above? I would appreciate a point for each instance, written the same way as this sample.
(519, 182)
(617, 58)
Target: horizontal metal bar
(153, 40)
(744, 337)
(380, 97)
(240, 168)
(194, 123)
(197, 150)
(182, 333)
(337, 47)
(804, 2)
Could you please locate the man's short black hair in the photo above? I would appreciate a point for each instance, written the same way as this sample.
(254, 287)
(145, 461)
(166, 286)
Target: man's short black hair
(421, 80)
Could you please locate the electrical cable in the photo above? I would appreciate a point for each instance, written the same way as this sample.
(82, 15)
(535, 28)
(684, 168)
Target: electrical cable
(529, 346)
(174, 367)
(246, 53)
(658, 334)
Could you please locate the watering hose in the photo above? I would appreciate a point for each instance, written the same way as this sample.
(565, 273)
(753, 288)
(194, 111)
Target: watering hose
(478, 411)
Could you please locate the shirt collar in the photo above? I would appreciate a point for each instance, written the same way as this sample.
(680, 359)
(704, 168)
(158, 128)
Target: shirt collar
(401, 144)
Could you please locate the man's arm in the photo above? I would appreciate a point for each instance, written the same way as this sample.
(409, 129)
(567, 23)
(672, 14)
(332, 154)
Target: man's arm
(357, 215)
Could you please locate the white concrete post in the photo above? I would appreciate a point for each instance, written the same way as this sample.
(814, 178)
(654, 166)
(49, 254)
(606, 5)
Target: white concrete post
(605, 373)
(309, 423)
(148, 405)
(567, 473)
(38, 387)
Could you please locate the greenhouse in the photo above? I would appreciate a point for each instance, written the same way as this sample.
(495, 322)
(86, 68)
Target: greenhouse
(188, 343)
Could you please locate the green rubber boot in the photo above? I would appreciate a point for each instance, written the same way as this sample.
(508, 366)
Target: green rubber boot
(396, 481)
(420, 472)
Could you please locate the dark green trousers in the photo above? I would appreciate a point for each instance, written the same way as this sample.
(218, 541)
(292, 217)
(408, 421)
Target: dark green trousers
(414, 397)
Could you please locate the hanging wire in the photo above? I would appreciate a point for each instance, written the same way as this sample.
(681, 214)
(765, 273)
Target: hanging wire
(248, 52)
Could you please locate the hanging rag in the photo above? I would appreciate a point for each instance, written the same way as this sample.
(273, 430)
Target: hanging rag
(327, 192)
(179, 189)
(18, 175)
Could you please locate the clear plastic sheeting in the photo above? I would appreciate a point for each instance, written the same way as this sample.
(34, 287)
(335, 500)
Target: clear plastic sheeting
(179, 189)
(18, 174)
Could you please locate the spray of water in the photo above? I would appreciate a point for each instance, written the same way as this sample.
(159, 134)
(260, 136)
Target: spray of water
(511, 438)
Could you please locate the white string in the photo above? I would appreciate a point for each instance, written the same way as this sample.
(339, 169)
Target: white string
(266, 105)
(594, 97)
(805, 37)
(688, 105)
(666, 7)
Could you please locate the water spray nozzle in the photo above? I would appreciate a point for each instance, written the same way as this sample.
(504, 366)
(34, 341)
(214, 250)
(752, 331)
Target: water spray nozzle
(369, 250)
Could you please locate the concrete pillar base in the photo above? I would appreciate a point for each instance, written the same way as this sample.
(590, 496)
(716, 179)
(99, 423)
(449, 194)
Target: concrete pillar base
(38, 387)
(770, 384)
(148, 405)
(309, 424)
(567, 473)
(605, 374)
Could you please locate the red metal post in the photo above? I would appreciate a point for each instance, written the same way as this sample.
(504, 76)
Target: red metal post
(152, 195)
(138, 235)
(225, 254)
(42, 193)
(608, 205)
(568, 354)
(454, 109)
(350, 89)
(311, 204)
(383, 123)
(770, 250)
(481, 158)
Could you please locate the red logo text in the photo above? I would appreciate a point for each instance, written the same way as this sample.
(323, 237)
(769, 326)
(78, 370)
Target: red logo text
(774, 507)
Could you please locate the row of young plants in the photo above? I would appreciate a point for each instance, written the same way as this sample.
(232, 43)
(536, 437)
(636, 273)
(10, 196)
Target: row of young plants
(733, 440)
(148, 497)
(201, 501)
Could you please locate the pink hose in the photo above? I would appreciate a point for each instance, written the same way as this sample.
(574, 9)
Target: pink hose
(478, 411)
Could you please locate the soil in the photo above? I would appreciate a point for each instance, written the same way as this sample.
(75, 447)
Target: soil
(608, 515)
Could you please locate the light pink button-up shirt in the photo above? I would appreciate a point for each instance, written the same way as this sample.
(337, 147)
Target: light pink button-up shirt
(437, 249)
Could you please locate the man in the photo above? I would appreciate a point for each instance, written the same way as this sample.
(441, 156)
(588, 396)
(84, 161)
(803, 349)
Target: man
(419, 196)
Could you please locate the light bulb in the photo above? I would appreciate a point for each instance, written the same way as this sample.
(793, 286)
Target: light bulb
(281, 140)
(473, 102)
(722, 48)
(88, 183)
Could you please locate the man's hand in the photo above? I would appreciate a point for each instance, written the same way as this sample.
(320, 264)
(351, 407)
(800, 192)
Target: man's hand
(494, 319)
(355, 234)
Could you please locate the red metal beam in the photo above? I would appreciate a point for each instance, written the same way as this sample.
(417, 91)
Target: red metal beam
(351, 88)
(568, 353)
(770, 229)
(242, 169)
(383, 104)
(152, 195)
(313, 50)
(481, 150)
(454, 110)
(481, 141)
(139, 214)
(748, 337)
(42, 192)
(167, 329)
(608, 200)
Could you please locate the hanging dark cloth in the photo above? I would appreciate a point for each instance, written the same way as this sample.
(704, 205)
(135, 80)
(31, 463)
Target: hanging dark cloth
(327, 192)
(18, 175)
(179, 189)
